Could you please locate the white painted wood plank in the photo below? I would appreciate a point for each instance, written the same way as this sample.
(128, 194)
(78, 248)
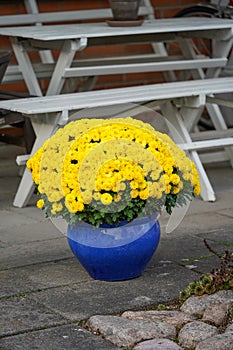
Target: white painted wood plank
(144, 67)
(21, 160)
(98, 30)
(207, 144)
(155, 92)
(211, 134)
(213, 157)
(112, 66)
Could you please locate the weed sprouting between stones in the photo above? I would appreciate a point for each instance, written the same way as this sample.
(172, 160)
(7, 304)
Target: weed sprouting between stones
(220, 278)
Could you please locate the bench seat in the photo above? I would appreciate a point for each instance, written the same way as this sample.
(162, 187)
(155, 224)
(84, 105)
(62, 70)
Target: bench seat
(118, 65)
(153, 92)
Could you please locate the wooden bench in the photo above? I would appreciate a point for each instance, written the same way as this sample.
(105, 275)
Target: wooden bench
(178, 101)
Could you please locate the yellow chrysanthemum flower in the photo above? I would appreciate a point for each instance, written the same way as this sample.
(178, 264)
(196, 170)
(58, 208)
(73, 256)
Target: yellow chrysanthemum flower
(144, 194)
(106, 199)
(175, 179)
(40, 204)
(197, 190)
(176, 190)
(134, 193)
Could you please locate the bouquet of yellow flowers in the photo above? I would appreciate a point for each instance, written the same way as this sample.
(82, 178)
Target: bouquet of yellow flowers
(111, 170)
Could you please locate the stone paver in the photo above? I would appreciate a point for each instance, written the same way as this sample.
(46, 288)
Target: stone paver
(194, 332)
(78, 301)
(158, 344)
(175, 318)
(123, 332)
(229, 328)
(35, 277)
(28, 253)
(196, 305)
(218, 342)
(67, 337)
(216, 313)
(21, 314)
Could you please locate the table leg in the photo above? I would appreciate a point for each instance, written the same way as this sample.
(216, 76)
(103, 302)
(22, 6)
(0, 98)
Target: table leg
(26, 68)
(219, 124)
(64, 61)
(32, 7)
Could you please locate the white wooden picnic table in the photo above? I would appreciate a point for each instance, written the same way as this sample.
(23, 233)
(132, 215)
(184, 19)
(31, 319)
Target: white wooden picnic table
(36, 17)
(70, 39)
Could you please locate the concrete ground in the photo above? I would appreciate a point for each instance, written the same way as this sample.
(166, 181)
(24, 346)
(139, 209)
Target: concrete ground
(45, 294)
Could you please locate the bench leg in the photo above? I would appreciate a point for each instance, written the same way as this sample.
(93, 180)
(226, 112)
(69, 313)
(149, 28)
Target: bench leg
(25, 190)
(43, 131)
(219, 124)
(179, 132)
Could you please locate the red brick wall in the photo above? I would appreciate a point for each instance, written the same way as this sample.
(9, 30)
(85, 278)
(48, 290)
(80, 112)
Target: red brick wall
(163, 9)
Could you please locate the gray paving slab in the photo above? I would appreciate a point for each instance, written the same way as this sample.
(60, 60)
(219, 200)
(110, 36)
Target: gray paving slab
(203, 266)
(32, 212)
(221, 176)
(28, 231)
(11, 220)
(36, 277)
(179, 248)
(67, 337)
(33, 252)
(222, 237)
(8, 184)
(22, 314)
(194, 222)
(79, 301)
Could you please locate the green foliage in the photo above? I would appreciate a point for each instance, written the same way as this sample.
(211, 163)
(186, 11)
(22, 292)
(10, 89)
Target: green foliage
(161, 307)
(220, 278)
(96, 217)
(126, 210)
(179, 200)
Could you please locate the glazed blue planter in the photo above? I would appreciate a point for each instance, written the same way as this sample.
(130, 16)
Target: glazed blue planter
(115, 253)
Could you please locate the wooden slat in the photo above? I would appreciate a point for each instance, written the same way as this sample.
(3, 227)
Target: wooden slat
(13, 72)
(144, 67)
(106, 66)
(153, 92)
(151, 30)
(217, 156)
(219, 101)
(207, 144)
(212, 134)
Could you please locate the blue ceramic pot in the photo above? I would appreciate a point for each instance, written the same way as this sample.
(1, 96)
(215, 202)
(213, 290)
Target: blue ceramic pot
(117, 253)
